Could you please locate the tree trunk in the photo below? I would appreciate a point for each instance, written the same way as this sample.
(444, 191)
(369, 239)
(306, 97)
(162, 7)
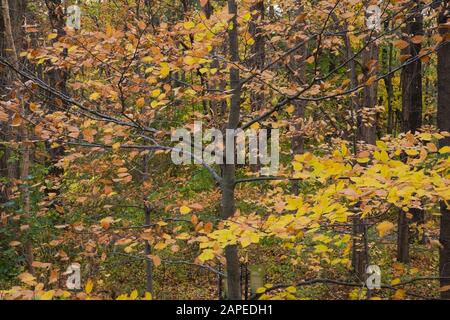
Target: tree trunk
(258, 53)
(411, 80)
(25, 148)
(367, 110)
(443, 122)
(229, 170)
(387, 67)
(148, 251)
(57, 77)
(411, 76)
(258, 56)
(9, 167)
(299, 67)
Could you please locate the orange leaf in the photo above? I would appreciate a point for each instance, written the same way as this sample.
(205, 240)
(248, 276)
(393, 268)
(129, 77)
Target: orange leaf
(16, 120)
(401, 44)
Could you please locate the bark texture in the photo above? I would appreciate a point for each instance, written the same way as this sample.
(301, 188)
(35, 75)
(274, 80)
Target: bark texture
(443, 121)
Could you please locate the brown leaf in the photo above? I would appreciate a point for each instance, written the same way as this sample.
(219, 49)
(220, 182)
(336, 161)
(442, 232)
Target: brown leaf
(16, 120)
(401, 44)
(444, 288)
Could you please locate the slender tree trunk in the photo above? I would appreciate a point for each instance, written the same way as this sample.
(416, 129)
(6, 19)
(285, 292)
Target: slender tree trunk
(258, 52)
(148, 251)
(8, 166)
(411, 76)
(212, 84)
(411, 79)
(359, 248)
(443, 122)
(12, 134)
(229, 170)
(25, 148)
(57, 77)
(367, 110)
(402, 237)
(387, 67)
(258, 55)
(298, 65)
(359, 255)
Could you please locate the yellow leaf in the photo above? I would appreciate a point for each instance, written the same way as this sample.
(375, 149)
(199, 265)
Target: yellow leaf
(384, 157)
(426, 136)
(116, 146)
(156, 93)
(160, 246)
(411, 152)
(147, 296)
(320, 248)
(363, 160)
(291, 289)
(246, 17)
(381, 145)
(290, 109)
(165, 70)
(190, 60)
(261, 290)
(185, 210)
(384, 228)
(154, 104)
(48, 295)
(147, 59)
(27, 278)
(297, 166)
(310, 59)
(34, 107)
(445, 149)
(133, 295)
(344, 149)
(106, 222)
(400, 294)
(52, 36)
(245, 242)
(207, 254)
(140, 102)
(94, 96)
(189, 25)
(89, 286)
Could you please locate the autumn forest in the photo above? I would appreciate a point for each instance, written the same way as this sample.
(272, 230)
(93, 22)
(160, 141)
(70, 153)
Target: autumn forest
(224, 149)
